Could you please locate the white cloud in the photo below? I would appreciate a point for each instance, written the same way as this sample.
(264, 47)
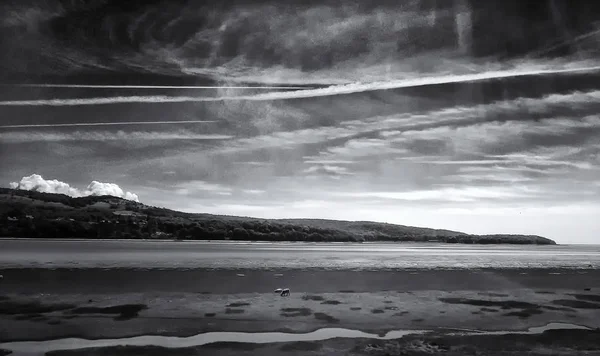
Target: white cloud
(322, 161)
(254, 191)
(451, 194)
(98, 188)
(327, 169)
(195, 186)
(285, 139)
(491, 176)
(36, 182)
(254, 163)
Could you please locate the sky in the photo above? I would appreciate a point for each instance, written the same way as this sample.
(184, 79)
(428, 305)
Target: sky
(476, 116)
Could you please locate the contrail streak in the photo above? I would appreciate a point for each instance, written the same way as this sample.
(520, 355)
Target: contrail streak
(108, 124)
(155, 99)
(38, 136)
(98, 86)
(412, 82)
(307, 93)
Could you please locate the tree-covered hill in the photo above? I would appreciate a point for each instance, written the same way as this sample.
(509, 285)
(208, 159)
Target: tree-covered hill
(43, 215)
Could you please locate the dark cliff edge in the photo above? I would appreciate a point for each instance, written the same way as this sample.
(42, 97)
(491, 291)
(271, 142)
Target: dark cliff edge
(28, 214)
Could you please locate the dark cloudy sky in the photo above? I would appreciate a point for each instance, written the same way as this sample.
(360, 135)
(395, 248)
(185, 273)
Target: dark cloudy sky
(479, 116)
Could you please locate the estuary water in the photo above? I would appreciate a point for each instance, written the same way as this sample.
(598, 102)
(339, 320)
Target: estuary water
(32, 253)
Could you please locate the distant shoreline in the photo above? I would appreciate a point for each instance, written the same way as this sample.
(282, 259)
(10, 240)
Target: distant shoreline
(30, 214)
(238, 242)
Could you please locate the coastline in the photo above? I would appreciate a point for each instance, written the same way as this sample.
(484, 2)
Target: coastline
(114, 300)
(233, 241)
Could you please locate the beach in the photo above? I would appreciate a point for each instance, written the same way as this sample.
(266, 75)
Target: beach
(41, 304)
(315, 280)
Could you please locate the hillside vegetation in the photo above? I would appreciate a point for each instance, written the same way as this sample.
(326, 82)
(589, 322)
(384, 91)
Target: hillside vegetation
(43, 215)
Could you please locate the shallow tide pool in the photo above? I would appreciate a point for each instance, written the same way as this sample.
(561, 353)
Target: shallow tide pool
(41, 347)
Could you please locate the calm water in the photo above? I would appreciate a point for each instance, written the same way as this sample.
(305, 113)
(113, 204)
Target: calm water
(368, 256)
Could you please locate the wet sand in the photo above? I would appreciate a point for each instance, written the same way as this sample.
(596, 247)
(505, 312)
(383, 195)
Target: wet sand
(101, 316)
(94, 316)
(219, 281)
(40, 304)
